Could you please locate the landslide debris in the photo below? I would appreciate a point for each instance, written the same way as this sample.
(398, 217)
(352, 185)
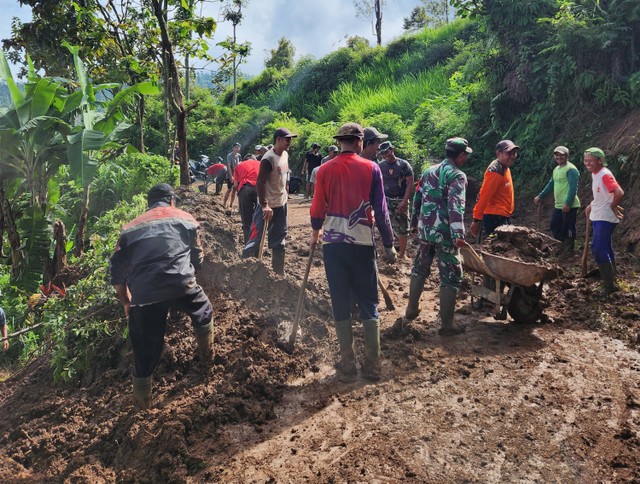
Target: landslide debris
(522, 244)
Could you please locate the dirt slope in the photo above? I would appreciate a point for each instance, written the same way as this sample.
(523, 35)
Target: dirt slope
(550, 402)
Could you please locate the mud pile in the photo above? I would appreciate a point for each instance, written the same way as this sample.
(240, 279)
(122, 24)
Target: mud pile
(93, 434)
(522, 244)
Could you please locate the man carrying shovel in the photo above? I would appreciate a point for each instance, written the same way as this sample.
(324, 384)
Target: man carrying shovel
(271, 186)
(564, 185)
(348, 188)
(438, 213)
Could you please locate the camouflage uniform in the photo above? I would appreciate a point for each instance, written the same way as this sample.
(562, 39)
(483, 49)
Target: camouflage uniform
(438, 211)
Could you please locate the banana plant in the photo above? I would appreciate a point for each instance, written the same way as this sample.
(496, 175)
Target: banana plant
(32, 149)
(99, 130)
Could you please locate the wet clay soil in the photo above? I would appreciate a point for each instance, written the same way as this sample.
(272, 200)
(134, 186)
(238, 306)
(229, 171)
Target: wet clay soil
(504, 402)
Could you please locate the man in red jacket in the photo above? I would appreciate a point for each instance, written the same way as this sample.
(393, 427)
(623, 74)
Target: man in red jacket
(244, 181)
(496, 200)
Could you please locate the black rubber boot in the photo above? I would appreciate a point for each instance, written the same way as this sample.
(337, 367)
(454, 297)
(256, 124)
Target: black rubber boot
(142, 392)
(371, 368)
(447, 309)
(608, 277)
(277, 261)
(416, 286)
(204, 340)
(346, 367)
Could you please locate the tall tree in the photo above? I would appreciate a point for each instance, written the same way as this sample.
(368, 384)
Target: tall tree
(232, 12)
(371, 9)
(282, 56)
(417, 20)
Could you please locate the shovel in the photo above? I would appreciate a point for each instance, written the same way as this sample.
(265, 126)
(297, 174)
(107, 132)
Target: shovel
(289, 340)
(585, 252)
(265, 229)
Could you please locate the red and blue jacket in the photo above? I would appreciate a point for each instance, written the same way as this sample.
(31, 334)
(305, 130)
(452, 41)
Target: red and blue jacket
(348, 191)
(157, 255)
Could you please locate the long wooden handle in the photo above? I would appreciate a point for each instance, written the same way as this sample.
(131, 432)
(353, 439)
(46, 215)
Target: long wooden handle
(585, 251)
(263, 238)
(296, 321)
(538, 210)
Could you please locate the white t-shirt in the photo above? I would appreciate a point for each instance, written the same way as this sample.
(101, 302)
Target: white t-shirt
(603, 184)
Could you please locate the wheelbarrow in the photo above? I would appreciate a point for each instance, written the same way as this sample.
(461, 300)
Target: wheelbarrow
(523, 281)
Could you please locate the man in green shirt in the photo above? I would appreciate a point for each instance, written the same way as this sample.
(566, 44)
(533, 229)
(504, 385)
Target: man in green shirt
(564, 185)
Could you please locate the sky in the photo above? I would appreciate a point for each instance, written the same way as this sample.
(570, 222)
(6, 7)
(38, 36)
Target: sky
(315, 27)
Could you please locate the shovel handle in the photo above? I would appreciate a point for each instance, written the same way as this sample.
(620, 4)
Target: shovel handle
(585, 251)
(265, 229)
(296, 321)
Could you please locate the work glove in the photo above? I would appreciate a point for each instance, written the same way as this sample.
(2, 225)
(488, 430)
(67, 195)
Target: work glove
(390, 254)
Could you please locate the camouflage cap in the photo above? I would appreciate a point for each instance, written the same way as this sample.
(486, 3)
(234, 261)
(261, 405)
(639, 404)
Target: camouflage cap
(333, 148)
(386, 146)
(598, 153)
(458, 145)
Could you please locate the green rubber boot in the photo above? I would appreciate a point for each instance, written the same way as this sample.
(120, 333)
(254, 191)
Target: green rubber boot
(416, 286)
(142, 392)
(371, 368)
(204, 341)
(447, 309)
(346, 367)
(277, 261)
(608, 276)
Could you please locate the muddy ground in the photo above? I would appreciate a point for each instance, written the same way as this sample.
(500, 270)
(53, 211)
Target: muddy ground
(504, 402)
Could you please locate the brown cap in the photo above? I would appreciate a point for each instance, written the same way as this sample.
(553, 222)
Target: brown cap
(350, 130)
(371, 133)
(507, 145)
(283, 133)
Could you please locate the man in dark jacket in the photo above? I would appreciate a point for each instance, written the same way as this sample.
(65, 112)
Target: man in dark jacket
(153, 270)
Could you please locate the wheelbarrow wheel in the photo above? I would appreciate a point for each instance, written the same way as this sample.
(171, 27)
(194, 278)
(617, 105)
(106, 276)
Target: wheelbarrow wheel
(525, 306)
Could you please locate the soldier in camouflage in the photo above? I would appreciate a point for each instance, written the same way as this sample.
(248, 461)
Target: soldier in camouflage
(438, 212)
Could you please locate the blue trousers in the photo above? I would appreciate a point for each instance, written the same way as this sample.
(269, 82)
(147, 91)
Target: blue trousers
(563, 224)
(602, 241)
(351, 269)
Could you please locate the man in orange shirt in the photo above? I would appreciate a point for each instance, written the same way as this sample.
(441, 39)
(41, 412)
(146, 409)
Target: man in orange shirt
(496, 200)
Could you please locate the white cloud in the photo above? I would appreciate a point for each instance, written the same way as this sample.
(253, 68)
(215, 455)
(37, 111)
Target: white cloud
(315, 27)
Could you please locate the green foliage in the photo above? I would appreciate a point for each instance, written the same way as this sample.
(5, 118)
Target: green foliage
(78, 325)
(282, 56)
(128, 175)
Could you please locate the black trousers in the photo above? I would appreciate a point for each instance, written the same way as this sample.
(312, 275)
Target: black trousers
(248, 201)
(148, 324)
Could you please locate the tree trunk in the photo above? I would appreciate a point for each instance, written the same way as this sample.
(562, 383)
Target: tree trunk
(82, 224)
(175, 92)
(378, 10)
(59, 260)
(141, 112)
(17, 255)
(235, 69)
(2, 235)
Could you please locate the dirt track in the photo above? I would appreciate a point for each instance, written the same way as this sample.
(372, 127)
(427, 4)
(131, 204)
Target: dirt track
(504, 402)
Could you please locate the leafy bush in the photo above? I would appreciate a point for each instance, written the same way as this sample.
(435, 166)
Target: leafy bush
(129, 175)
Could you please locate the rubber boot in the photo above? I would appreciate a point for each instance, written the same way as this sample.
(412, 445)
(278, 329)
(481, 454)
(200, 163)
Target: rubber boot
(608, 276)
(371, 369)
(204, 340)
(142, 392)
(277, 261)
(416, 286)
(447, 309)
(346, 367)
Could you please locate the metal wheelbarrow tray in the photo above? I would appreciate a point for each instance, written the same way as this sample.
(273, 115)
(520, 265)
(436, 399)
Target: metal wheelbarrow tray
(523, 300)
